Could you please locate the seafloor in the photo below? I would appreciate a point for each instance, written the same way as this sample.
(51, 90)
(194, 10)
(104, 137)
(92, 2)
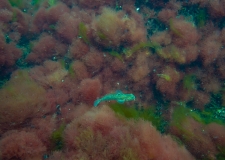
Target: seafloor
(112, 79)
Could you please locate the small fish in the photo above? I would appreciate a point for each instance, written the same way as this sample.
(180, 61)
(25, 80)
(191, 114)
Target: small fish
(119, 96)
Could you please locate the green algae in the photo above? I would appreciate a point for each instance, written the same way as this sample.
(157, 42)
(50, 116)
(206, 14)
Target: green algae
(214, 111)
(181, 113)
(173, 29)
(201, 18)
(51, 2)
(57, 138)
(14, 16)
(117, 55)
(135, 113)
(129, 154)
(221, 155)
(16, 3)
(82, 33)
(189, 82)
(101, 35)
(52, 27)
(71, 71)
(36, 4)
(124, 110)
(210, 114)
(139, 46)
(165, 76)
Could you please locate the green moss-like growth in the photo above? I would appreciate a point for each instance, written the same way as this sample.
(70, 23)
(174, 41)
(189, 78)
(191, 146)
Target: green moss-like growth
(101, 35)
(82, 32)
(52, 27)
(221, 155)
(173, 29)
(16, 3)
(214, 111)
(63, 63)
(36, 3)
(57, 138)
(181, 112)
(201, 18)
(165, 76)
(129, 154)
(140, 46)
(124, 110)
(71, 71)
(189, 82)
(132, 112)
(117, 55)
(51, 3)
(14, 16)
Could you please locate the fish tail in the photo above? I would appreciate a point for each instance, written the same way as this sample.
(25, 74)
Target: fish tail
(97, 102)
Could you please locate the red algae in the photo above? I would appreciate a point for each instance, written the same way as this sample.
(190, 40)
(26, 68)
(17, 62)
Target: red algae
(167, 81)
(44, 48)
(55, 12)
(21, 22)
(141, 68)
(50, 74)
(216, 132)
(197, 140)
(22, 98)
(90, 90)
(162, 38)
(8, 53)
(94, 3)
(141, 138)
(67, 27)
(44, 127)
(58, 57)
(166, 14)
(112, 28)
(80, 70)
(39, 21)
(210, 48)
(184, 33)
(94, 61)
(21, 145)
(117, 65)
(216, 8)
(5, 15)
(201, 99)
(69, 112)
(78, 49)
(5, 4)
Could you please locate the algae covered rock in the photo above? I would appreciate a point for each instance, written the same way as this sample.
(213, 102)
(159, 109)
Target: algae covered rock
(21, 98)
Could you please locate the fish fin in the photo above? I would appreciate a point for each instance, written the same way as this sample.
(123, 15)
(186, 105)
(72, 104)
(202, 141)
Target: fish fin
(120, 101)
(97, 102)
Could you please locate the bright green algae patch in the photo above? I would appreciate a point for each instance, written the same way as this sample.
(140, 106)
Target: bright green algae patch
(16, 3)
(135, 113)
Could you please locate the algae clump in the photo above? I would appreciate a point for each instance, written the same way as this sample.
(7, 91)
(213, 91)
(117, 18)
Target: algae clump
(135, 113)
(57, 138)
(82, 32)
